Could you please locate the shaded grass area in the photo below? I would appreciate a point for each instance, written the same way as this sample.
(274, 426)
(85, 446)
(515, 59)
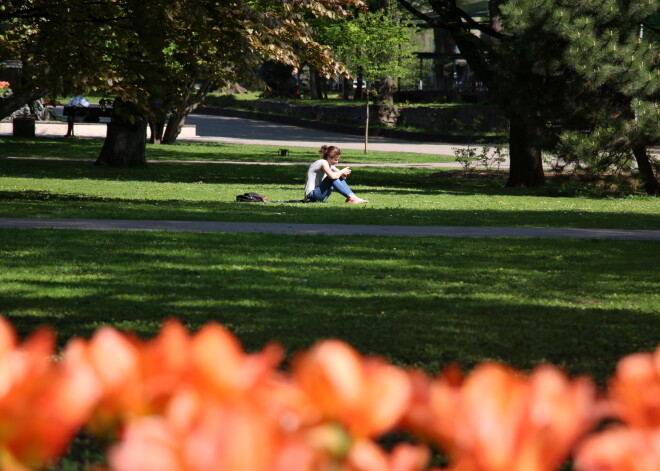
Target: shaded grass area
(204, 151)
(423, 303)
(399, 196)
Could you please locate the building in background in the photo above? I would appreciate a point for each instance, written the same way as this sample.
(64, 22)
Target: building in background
(442, 74)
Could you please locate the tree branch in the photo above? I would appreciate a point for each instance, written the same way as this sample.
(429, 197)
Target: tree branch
(422, 16)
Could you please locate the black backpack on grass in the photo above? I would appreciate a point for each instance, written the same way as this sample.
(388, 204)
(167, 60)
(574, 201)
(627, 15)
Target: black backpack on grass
(251, 198)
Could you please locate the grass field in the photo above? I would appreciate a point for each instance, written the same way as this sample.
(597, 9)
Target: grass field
(211, 152)
(400, 196)
(420, 302)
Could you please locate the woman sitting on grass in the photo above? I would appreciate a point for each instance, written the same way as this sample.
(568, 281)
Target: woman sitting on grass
(323, 177)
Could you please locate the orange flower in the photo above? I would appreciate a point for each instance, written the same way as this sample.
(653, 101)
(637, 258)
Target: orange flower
(620, 449)
(4, 85)
(367, 396)
(197, 434)
(635, 390)
(220, 366)
(42, 405)
(139, 378)
(497, 420)
(114, 360)
(367, 456)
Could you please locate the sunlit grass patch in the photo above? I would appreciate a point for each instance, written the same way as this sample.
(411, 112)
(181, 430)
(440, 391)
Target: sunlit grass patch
(422, 302)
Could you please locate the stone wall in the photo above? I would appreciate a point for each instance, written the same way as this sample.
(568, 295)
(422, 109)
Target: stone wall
(479, 118)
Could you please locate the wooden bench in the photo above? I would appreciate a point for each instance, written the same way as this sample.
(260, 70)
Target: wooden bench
(89, 114)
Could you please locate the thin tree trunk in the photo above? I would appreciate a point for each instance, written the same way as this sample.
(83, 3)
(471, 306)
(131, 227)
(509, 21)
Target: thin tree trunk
(324, 87)
(526, 165)
(179, 113)
(313, 83)
(319, 85)
(358, 90)
(366, 123)
(174, 125)
(651, 185)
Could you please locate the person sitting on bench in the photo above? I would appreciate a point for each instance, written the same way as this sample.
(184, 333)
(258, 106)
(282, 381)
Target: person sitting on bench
(77, 101)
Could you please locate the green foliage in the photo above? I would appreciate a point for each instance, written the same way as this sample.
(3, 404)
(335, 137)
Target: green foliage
(484, 157)
(556, 66)
(606, 97)
(154, 53)
(600, 152)
(375, 44)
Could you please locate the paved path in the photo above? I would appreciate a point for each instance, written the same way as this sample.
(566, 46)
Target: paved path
(326, 229)
(213, 128)
(230, 162)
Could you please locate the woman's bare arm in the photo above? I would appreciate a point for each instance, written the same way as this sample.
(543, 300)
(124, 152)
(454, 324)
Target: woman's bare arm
(334, 173)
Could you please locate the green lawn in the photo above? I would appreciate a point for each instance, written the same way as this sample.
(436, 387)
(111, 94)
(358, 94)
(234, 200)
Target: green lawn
(211, 152)
(399, 196)
(581, 304)
(420, 302)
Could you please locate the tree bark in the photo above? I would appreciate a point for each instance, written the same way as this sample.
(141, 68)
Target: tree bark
(176, 120)
(175, 123)
(366, 121)
(181, 110)
(526, 164)
(358, 90)
(156, 127)
(651, 185)
(313, 84)
(347, 86)
(388, 114)
(126, 139)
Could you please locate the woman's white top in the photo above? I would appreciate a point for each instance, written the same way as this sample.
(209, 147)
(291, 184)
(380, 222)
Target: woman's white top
(315, 174)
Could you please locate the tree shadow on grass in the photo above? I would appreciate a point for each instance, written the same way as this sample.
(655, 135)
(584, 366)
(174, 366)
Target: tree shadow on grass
(48, 204)
(50, 148)
(427, 305)
(385, 179)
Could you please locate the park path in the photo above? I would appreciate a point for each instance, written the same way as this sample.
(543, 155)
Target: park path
(233, 130)
(231, 162)
(216, 128)
(327, 229)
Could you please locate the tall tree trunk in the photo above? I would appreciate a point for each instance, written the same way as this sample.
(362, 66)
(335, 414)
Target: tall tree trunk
(651, 185)
(126, 139)
(313, 83)
(358, 90)
(366, 121)
(319, 84)
(175, 123)
(347, 87)
(156, 128)
(323, 87)
(388, 114)
(182, 109)
(526, 165)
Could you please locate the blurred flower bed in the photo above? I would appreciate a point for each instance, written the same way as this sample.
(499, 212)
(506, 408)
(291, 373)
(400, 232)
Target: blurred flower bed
(199, 402)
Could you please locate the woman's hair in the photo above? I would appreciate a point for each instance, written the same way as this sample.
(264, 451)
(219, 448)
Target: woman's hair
(329, 151)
